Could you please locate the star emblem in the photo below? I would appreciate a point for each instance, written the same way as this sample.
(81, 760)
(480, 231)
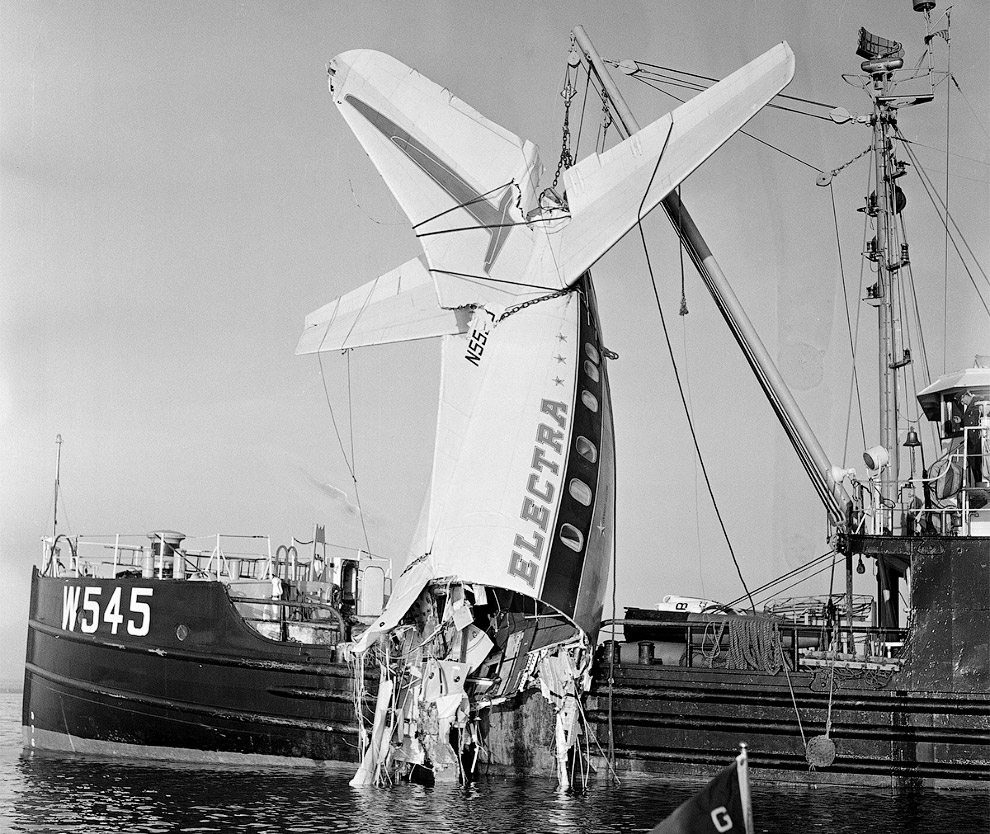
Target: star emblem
(560, 358)
(561, 337)
(558, 381)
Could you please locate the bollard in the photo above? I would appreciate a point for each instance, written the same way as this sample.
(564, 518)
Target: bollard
(646, 653)
(610, 652)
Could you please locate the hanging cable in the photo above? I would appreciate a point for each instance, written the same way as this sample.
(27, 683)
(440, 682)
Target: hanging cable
(350, 422)
(716, 80)
(945, 254)
(817, 561)
(845, 296)
(939, 205)
(975, 114)
(853, 379)
(680, 387)
(340, 443)
(680, 250)
(743, 132)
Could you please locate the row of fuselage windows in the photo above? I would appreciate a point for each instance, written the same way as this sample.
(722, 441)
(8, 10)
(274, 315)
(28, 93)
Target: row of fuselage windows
(570, 536)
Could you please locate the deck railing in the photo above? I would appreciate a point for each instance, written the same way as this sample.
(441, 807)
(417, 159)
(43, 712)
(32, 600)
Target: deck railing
(797, 639)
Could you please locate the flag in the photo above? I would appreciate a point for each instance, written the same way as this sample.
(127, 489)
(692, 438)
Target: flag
(721, 806)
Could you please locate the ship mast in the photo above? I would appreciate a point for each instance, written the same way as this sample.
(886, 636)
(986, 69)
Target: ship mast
(889, 328)
(882, 59)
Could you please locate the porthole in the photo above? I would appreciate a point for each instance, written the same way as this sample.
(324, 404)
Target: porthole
(586, 449)
(590, 400)
(592, 352)
(571, 537)
(591, 370)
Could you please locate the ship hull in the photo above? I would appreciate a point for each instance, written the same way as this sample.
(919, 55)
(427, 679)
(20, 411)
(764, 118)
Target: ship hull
(920, 720)
(168, 670)
(684, 722)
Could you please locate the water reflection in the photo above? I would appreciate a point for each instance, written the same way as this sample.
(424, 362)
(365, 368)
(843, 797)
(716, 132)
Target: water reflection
(60, 793)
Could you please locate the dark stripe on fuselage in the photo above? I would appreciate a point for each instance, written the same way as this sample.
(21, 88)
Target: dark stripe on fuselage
(565, 566)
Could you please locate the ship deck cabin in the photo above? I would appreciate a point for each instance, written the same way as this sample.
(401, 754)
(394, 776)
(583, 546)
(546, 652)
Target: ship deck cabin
(299, 592)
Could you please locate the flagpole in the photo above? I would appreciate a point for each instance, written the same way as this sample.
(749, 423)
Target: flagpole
(743, 771)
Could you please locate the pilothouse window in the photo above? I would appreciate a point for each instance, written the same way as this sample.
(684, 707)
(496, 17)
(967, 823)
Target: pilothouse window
(591, 370)
(592, 352)
(590, 400)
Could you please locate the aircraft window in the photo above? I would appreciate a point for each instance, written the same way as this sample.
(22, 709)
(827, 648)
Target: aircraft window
(571, 536)
(586, 449)
(590, 400)
(581, 492)
(592, 352)
(591, 370)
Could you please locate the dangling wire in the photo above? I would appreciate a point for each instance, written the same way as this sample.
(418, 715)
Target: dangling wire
(340, 440)
(945, 256)
(680, 388)
(849, 327)
(680, 249)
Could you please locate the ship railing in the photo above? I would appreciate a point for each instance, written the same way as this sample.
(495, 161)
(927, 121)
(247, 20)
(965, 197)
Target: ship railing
(698, 640)
(364, 581)
(92, 557)
(958, 490)
(230, 563)
(110, 556)
(292, 621)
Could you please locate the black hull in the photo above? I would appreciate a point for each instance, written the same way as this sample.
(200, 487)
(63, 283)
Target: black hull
(201, 685)
(925, 724)
(686, 721)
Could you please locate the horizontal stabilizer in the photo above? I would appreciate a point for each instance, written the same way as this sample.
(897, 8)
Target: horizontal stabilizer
(400, 306)
(607, 193)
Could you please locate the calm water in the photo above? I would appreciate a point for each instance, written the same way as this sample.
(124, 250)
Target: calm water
(64, 794)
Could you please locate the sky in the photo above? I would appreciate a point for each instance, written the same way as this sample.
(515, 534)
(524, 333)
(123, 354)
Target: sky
(177, 192)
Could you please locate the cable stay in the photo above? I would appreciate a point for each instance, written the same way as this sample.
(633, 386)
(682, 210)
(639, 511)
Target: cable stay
(348, 462)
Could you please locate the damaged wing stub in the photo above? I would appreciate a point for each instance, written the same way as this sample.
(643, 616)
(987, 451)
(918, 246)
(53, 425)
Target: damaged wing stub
(506, 574)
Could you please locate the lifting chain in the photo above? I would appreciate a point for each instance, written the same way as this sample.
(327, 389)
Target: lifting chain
(566, 160)
(517, 307)
(607, 119)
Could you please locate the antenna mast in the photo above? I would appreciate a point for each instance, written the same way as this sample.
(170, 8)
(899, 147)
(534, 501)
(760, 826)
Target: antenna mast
(883, 58)
(58, 466)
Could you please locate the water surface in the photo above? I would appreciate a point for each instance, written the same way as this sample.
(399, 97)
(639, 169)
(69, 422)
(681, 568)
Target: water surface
(74, 795)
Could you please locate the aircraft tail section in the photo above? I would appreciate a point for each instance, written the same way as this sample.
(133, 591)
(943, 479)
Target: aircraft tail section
(469, 187)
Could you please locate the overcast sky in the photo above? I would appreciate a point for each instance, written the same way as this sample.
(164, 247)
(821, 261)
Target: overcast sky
(178, 192)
